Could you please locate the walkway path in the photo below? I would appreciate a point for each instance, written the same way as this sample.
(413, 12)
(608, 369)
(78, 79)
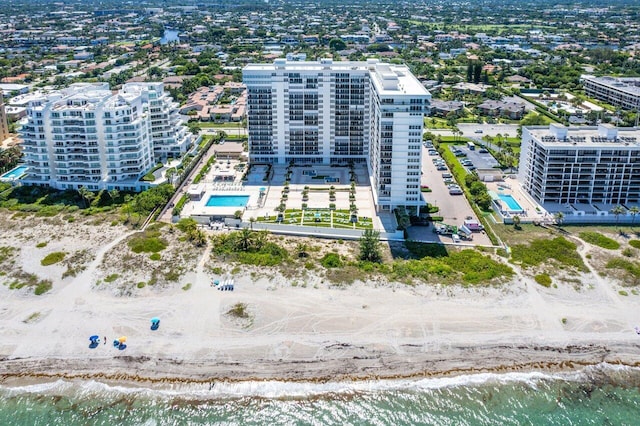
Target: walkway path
(167, 213)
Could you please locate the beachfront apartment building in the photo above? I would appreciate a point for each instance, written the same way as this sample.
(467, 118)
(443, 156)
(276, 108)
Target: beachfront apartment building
(617, 91)
(581, 170)
(327, 112)
(87, 136)
(170, 137)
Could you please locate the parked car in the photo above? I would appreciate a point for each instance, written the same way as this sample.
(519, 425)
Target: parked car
(446, 176)
(455, 191)
(433, 152)
(473, 225)
(478, 131)
(483, 151)
(441, 168)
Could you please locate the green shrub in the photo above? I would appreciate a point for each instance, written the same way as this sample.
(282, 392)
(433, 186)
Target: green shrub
(599, 240)
(42, 287)
(631, 268)
(141, 284)
(543, 250)
(543, 279)
(155, 256)
(187, 286)
(148, 242)
(331, 260)
(180, 205)
(635, 243)
(239, 310)
(111, 278)
(623, 293)
(628, 252)
(52, 258)
(42, 244)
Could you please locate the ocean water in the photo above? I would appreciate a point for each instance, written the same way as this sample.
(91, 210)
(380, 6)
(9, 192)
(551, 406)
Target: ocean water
(598, 395)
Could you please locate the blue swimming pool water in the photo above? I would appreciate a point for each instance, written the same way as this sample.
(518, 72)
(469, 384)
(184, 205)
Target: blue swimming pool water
(16, 173)
(228, 201)
(511, 203)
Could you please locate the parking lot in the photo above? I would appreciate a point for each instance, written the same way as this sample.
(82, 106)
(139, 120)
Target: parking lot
(453, 208)
(480, 159)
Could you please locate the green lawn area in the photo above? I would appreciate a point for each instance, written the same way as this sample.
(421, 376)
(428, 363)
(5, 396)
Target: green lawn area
(341, 219)
(436, 123)
(212, 125)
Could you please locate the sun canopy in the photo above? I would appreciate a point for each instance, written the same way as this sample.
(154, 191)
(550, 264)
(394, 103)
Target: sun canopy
(155, 320)
(94, 337)
(122, 339)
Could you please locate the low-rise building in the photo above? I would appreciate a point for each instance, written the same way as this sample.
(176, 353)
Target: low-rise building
(441, 108)
(491, 108)
(617, 91)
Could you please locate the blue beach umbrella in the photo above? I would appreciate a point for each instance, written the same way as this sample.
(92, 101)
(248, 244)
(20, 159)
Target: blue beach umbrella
(216, 282)
(155, 323)
(94, 338)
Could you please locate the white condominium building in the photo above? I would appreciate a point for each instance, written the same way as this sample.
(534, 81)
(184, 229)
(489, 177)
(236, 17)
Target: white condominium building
(85, 135)
(169, 136)
(562, 166)
(618, 91)
(329, 112)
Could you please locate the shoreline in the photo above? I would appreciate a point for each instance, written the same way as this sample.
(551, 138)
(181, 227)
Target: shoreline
(470, 360)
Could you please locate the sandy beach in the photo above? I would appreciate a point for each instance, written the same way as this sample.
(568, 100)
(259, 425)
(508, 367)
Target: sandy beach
(310, 331)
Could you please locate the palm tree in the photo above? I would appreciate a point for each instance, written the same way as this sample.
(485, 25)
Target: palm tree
(617, 211)
(113, 194)
(634, 210)
(90, 196)
(302, 250)
(245, 239)
(127, 205)
(559, 217)
(516, 222)
(83, 194)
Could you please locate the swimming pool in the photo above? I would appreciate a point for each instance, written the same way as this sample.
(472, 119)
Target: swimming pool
(16, 173)
(511, 203)
(227, 201)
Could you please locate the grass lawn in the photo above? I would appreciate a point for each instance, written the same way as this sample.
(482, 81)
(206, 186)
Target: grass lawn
(212, 125)
(341, 219)
(436, 123)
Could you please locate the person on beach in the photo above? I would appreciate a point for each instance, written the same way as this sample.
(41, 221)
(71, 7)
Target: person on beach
(105, 340)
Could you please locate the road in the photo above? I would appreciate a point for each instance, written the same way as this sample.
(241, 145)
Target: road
(477, 131)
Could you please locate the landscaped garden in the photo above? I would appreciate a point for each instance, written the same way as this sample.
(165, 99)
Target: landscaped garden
(327, 218)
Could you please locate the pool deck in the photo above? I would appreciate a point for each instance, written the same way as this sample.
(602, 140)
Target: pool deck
(512, 187)
(200, 208)
(12, 174)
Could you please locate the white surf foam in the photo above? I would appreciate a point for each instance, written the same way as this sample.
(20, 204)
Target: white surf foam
(279, 389)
